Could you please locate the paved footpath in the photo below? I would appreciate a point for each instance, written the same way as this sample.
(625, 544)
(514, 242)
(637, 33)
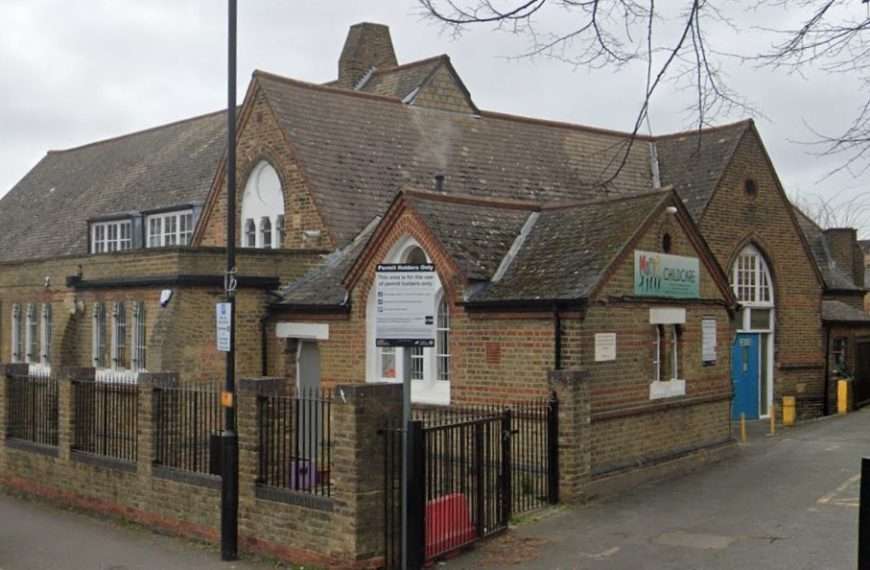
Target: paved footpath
(37, 536)
(787, 502)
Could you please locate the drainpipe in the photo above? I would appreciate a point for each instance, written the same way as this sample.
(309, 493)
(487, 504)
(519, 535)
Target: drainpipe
(827, 369)
(557, 337)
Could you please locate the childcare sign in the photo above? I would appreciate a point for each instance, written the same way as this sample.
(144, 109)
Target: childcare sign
(405, 305)
(663, 275)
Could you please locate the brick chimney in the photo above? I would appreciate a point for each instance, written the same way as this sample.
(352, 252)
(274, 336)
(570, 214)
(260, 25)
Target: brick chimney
(367, 45)
(846, 252)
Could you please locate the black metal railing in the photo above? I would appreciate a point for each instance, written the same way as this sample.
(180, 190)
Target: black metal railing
(105, 419)
(533, 452)
(295, 446)
(475, 467)
(185, 420)
(32, 409)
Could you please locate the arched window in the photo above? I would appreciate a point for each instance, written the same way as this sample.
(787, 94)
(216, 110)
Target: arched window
(262, 200)
(250, 233)
(753, 286)
(429, 367)
(266, 232)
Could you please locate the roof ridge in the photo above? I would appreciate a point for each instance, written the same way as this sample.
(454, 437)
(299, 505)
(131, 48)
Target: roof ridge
(259, 73)
(136, 133)
(567, 205)
(562, 124)
(469, 199)
(419, 62)
(742, 122)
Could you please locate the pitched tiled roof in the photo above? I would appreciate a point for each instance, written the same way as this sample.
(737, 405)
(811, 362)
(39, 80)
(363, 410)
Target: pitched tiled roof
(401, 81)
(835, 276)
(46, 213)
(476, 233)
(569, 248)
(322, 285)
(357, 150)
(840, 312)
(693, 163)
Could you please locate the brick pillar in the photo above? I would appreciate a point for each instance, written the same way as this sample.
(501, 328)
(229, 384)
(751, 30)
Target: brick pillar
(359, 413)
(248, 431)
(66, 419)
(146, 452)
(575, 432)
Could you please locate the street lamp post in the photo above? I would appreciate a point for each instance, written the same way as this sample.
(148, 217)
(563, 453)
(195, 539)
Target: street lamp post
(229, 437)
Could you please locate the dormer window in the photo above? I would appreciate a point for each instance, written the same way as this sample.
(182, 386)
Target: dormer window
(115, 235)
(169, 229)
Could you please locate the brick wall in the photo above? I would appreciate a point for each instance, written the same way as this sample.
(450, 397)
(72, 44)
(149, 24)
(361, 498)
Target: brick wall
(261, 138)
(734, 218)
(180, 336)
(343, 530)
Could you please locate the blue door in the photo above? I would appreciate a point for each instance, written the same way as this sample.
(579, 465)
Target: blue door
(745, 375)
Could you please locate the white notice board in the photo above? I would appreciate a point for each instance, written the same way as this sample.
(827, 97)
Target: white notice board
(223, 314)
(605, 347)
(708, 334)
(405, 304)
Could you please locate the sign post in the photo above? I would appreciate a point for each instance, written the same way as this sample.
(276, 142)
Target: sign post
(405, 317)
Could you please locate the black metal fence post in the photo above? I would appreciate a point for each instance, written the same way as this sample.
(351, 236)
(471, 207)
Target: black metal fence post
(553, 450)
(864, 516)
(417, 496)
(506, 462)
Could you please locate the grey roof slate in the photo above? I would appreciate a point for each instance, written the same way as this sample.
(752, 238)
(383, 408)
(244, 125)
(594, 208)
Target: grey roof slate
(476, 234)
(838, 311)
(46, 213)
(358, 150)
(322, 285)
(568, 249)
(835, 277)
(401, 81)
(693, 163)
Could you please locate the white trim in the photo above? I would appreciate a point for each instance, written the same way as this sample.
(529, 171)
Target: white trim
(666, 389)
(304, 331)
(162, 238)
(667, 316)
(103, 243)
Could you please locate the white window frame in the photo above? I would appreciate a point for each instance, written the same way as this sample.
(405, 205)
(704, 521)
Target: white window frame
(17, 336)
(426, 387)
(31, 335)
(158, 233)
(138, 346)
(667, 322)
(120, 347)
(107, 237)
(45, 336)
(98, 336)
(263, 198)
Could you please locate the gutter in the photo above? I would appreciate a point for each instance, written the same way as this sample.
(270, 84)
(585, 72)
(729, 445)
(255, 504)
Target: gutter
(244, 281)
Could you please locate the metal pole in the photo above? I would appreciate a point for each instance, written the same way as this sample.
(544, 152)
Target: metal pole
(230, 447)
(864, 516)
(406, 451)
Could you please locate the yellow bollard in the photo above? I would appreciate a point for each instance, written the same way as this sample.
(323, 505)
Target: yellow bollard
(842, 397)
(773, 419)
(788, 410)
(742, 428)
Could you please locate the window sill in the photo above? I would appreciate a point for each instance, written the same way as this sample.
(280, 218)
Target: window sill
(667, 389)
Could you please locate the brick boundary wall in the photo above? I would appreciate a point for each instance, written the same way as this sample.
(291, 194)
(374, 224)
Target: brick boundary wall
(344, 530)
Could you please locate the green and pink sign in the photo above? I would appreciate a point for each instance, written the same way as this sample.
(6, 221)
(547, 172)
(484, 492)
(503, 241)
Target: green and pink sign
(663, 275)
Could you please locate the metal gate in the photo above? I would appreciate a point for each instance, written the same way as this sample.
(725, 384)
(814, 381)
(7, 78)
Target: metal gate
(470, 470)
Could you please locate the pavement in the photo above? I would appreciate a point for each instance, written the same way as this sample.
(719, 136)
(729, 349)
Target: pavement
(38, 536)
(784, 502)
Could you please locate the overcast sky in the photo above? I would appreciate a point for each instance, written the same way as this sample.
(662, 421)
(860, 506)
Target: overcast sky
(76, 72)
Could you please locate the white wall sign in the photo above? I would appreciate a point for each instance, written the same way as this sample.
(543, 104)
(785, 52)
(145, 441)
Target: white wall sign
(605, 347)
(405, 304)
(223, 314)
(708, 333)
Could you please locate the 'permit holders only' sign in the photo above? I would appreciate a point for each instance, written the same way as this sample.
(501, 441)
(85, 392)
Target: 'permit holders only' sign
(663, 275)
(405, 304)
